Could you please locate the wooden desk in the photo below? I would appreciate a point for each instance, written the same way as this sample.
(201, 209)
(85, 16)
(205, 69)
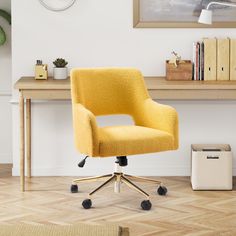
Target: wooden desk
(158, 88)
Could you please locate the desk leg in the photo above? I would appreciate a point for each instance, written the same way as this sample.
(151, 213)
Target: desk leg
(22, 143)
(28, 136)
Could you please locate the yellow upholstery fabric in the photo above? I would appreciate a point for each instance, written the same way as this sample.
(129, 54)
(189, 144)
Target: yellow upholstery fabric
(109, 91)
(130, 140)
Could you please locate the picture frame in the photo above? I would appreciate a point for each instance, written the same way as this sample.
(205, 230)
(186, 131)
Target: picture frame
(144, 19)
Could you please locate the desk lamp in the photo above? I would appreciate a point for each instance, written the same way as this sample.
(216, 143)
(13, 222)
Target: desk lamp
(206, 14)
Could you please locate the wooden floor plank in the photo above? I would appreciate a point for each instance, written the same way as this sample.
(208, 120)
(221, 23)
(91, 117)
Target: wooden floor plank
(182, 212)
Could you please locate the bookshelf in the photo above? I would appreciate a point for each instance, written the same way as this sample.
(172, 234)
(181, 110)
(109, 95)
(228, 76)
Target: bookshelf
(160, 88)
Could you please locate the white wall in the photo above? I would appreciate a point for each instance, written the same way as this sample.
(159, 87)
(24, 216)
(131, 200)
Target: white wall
(99, 33)
(5, 91)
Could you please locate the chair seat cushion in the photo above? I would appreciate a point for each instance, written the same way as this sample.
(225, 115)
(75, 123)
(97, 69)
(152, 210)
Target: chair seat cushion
(131, 140)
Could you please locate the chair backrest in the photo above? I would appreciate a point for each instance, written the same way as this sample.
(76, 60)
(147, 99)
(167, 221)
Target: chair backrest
(107, 91)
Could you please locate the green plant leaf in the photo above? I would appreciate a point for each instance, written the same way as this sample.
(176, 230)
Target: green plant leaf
(60, 63)
(2, 36)
(5, 15)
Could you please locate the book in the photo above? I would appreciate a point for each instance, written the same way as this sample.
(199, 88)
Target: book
(202, 61)
(194, 60)
(232, 59)
(197, 61)
(223, 52)
(210, 56)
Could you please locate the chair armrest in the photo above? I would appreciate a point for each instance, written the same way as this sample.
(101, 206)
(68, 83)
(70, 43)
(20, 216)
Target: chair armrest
(85, 130)
(161, 117)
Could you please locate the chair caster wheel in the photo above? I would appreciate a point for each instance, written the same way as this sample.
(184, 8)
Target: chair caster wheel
(162, 190)
(146, 205)
(87, 203)
(74, 188)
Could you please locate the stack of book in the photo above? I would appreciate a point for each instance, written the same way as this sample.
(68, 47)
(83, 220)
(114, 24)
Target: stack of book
(214, 59)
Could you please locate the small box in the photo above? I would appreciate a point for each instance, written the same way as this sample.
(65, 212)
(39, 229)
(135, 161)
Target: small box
(211, 167)
(183, 71)
(41, 72)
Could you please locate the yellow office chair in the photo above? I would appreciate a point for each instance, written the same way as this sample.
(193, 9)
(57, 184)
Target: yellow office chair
(109, 91)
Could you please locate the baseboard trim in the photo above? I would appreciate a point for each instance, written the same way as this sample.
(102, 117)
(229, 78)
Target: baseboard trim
(68, 171)
(6, 166)
(5, 159)
(5, 93)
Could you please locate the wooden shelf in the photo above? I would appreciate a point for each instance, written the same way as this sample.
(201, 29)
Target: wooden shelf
(158, 87)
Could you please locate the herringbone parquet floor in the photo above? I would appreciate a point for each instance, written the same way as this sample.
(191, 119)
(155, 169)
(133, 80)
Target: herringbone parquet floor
(182, 212)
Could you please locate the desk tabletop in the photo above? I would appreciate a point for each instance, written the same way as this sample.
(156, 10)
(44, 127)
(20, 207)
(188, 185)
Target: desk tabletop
(31, 83)
(152, 83)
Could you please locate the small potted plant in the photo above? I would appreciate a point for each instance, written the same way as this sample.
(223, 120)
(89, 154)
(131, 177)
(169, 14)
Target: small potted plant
(60, 70)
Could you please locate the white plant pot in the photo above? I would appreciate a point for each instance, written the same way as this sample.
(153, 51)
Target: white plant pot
(60, 73)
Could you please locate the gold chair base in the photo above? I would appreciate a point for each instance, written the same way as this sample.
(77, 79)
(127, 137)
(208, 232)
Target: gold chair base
(118, 178)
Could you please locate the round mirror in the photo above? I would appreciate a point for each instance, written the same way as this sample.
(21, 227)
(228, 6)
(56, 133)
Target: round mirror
(57, 5)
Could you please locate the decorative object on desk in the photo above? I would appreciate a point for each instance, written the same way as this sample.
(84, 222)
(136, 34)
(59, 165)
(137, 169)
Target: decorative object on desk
(7, 17)
(180, 14)
(177, 69)
(206, 14)
(175, 59)
(57, 5)
(41, 70)
(60, 70)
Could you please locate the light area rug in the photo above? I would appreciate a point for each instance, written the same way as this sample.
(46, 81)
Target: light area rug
(58, 230)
